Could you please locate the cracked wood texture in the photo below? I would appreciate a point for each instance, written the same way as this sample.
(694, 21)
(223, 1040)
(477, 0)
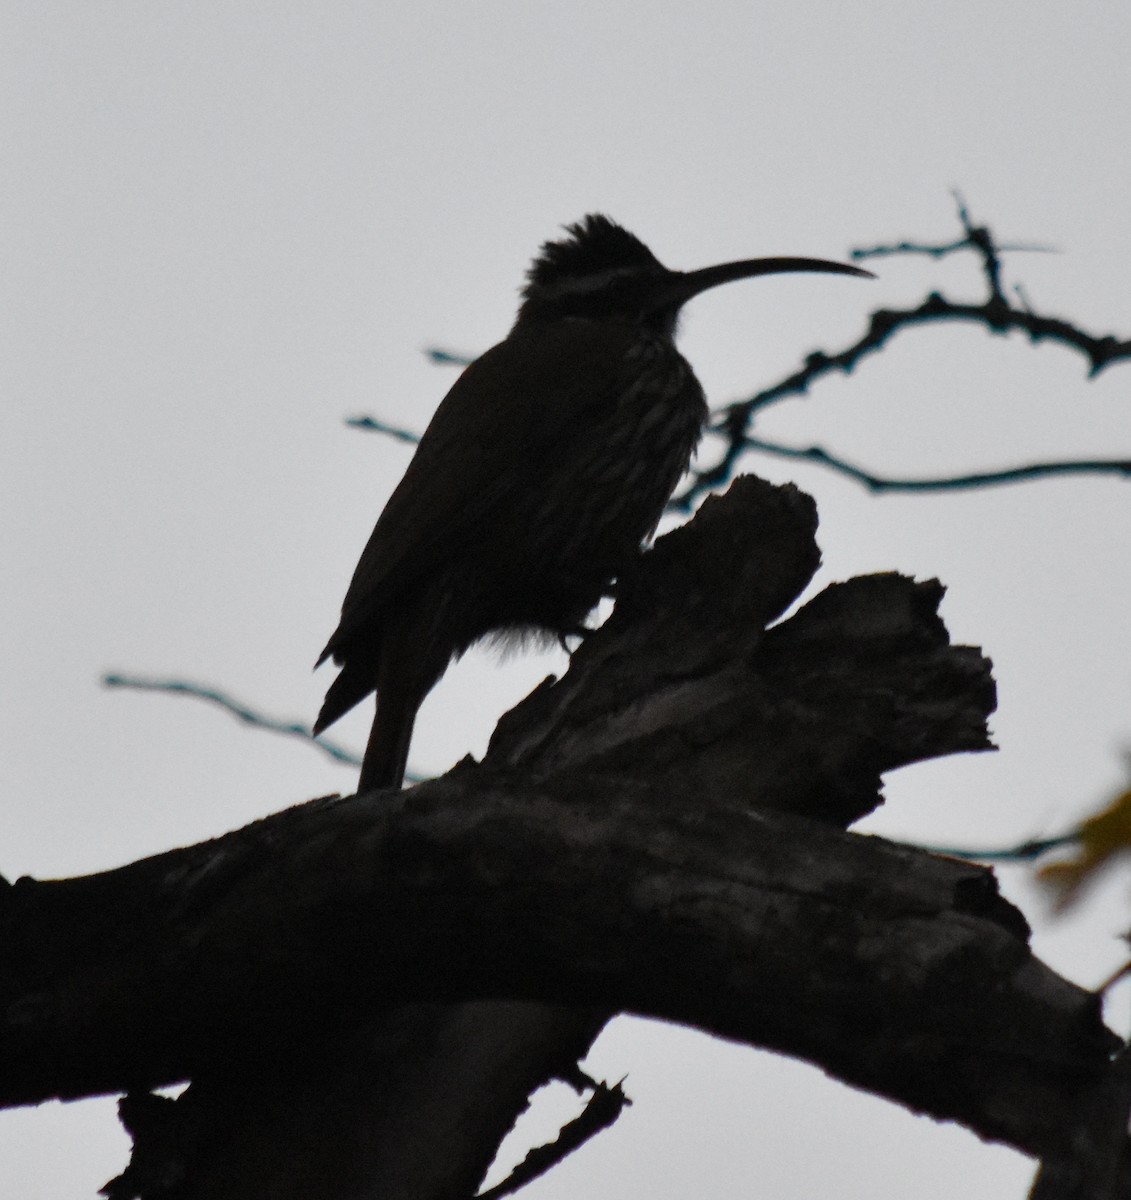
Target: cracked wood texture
(364, 991)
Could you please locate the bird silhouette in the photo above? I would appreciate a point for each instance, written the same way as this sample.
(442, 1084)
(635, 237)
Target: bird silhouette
(545, 468)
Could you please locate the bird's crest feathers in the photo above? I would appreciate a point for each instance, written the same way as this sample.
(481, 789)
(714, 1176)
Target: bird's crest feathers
(596, 245)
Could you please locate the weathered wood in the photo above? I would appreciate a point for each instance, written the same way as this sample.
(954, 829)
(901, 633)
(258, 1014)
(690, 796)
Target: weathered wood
(657, 832)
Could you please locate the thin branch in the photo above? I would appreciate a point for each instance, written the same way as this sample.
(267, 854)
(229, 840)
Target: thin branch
(981, 239)
(1022, 297)
(817, 454)
(448, 358)
(1100, 351)
(1027, 851)
(977, 237)
(999, 317)
(941, 251)
(372, 425)
(249, 716)
(994, 313)
(884, 483)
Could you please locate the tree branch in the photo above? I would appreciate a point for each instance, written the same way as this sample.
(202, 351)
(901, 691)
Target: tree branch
(942, 483)
(895, 971)
(995, 313)
(364, 991)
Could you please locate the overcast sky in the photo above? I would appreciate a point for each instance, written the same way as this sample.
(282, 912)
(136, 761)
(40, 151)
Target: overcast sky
(228, 226)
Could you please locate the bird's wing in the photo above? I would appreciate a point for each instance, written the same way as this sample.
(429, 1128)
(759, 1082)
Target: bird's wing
(505, 420)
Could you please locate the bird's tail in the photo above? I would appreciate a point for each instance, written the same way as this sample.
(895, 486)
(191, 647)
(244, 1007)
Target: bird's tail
(403, 668)
(350, 688)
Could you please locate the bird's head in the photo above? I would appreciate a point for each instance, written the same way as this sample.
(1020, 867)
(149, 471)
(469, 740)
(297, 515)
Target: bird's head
(601, 272)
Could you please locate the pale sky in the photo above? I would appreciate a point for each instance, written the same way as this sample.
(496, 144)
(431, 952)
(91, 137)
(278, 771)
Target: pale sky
(228, 226)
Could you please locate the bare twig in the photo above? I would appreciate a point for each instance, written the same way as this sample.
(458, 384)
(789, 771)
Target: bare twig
(872, 481)
(1027, 851)
(943, 250)
(885, 483)
(241, 711)
(448, 358)
(995, 313)
(373, 425)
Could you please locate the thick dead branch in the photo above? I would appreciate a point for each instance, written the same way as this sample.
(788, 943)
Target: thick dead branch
(364, 991)
(895, 970)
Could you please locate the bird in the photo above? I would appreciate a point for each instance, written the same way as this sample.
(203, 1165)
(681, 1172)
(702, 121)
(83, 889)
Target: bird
(544, 471)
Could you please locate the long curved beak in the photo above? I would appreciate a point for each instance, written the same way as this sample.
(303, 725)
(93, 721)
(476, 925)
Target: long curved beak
(683, 285)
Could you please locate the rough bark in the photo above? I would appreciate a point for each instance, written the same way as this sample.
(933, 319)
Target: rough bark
(364, 991)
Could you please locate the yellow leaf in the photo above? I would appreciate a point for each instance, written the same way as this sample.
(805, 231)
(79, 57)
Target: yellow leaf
(1099, 839)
